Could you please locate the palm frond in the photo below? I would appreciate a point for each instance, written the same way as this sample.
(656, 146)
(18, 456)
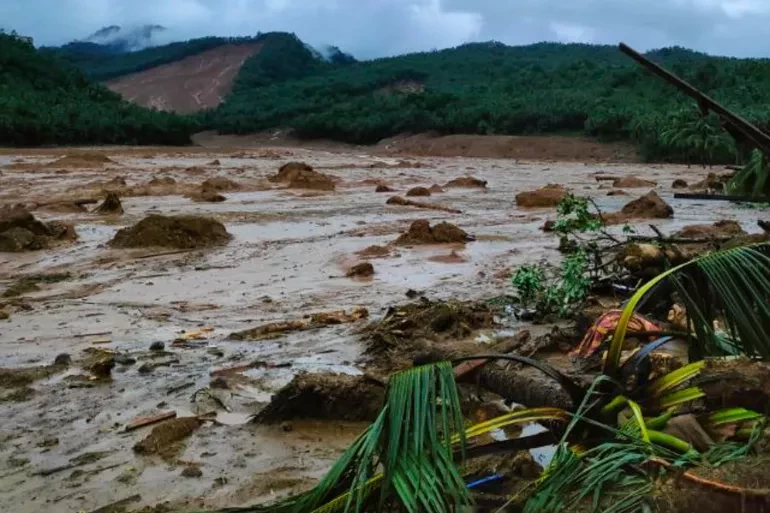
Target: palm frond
(731, 286)
(754, 179)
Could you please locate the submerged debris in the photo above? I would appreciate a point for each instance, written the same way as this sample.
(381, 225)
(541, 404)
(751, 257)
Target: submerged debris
(383, 188)
(632, 182)
(374, 252)
(220, 184)
(20, 231)
(164, 438)
(362, 270)
(318, 320)
(81, 160)
(421, 232)
(182, 232)
(398, 200)
(325, 396)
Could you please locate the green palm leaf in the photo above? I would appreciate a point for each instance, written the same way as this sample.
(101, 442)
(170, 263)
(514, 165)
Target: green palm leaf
(731, 286)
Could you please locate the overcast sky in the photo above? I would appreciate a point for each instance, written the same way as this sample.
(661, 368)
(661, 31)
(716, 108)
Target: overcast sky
(374, 28)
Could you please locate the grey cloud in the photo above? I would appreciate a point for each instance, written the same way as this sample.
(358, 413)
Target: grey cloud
(374, 28)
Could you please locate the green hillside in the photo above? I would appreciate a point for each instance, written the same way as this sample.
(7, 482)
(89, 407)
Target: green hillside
(43, 100)
(491, 88)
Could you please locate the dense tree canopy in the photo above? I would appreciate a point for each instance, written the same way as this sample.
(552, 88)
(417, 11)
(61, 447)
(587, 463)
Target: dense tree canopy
(45, 101)
(490, 88)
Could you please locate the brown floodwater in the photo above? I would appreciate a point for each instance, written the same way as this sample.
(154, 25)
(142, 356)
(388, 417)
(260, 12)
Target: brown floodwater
(288, 258)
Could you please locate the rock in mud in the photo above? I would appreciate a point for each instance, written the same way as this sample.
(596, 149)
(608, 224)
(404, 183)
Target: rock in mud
(110, 206)
(362, 270)
(214, 162)
(467, 182)
(192, 471)
(383, 188)
(101, 367)
(617, 192)
(20, 231)
(181, 232)
(302, 176)
(208, 196)
(712, 182)
(632, 182)
(325, 396)
(649, 206)
(164, 438)
(679, 184)
(157, 346)
(718, 230)
(418, 191)
(220, 184)
(548, 196)
(435, 189)
(62, 359)
(317, 320)
(421, 232)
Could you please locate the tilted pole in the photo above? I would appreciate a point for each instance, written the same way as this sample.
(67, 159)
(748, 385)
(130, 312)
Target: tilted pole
(749, 131)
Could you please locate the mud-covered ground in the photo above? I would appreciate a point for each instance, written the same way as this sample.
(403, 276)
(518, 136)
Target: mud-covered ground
(63, 447)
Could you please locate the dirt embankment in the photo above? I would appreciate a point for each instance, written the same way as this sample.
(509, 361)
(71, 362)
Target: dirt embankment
(197, 82)
(548, 148)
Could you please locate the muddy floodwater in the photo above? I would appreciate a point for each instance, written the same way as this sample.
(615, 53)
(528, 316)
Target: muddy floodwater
(64, 447)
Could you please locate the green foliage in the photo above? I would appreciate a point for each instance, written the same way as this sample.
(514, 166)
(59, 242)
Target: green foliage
(493, 88)
(98, 63)
(753, 180)
(554, 293)
(574, 215)
(700, 138)
(44, 101)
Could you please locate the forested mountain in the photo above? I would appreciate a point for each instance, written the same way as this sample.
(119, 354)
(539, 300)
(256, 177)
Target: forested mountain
(43, 100)
(490, 88)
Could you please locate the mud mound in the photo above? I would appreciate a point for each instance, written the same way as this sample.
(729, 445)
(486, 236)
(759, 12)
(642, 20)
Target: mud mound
(421, 232)
(452, 258)
(712, 182)
(288, 172)
(435, 189)
(182, 232)
(214, 162)
(649, 206)
(114, 183)
(397, 200)
(325, 396)
(81, 160)
(362, 270)
(718, 230)
(20, 231)
(220, 184)
(548, 196)
(467, 182)
(195, 170)
(632, 182)
(374, 252)
(161, 181)
(679, 184)
(418, 191)
(412, 329)
(383, 188)
(164, 438)
(110, 206)
(617, 192)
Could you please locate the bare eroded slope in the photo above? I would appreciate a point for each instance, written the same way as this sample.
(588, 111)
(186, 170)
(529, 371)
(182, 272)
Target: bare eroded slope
(189, 85)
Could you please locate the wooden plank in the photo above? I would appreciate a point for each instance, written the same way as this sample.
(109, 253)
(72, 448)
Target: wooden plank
(719, 197)
(150, 419)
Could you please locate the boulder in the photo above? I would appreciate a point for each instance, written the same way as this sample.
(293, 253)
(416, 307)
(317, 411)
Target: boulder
(548, 196)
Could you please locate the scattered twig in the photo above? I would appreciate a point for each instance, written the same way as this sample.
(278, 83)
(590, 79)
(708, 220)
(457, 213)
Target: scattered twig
(165, 253)
(86, 335)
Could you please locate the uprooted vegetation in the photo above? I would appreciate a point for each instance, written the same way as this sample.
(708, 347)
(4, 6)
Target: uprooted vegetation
(181, 232)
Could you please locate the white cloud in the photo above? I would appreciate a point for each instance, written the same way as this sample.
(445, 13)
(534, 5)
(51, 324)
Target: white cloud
(372, 28)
